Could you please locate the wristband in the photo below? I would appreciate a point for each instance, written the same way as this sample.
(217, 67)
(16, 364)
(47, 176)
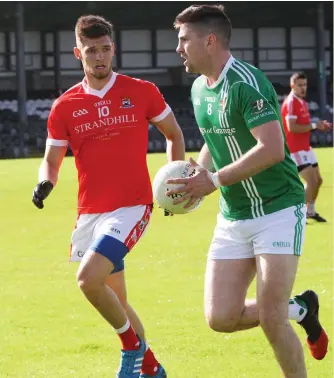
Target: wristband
(215, 179)
(313, 125)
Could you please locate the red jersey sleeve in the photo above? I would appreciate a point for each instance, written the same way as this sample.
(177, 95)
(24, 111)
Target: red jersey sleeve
(57, 129)
(291, 108)
(157, 109)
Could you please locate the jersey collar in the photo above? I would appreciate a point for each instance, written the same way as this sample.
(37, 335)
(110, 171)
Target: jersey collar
(102, 92)
(298, 98)
(222, 75)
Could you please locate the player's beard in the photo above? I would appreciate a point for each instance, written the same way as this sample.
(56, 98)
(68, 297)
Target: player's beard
(192, 69)
(196, 68)
(189, 67)
(101, 75)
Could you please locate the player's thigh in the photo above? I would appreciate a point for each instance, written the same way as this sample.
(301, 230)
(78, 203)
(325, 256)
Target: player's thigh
(117, 232)
(226, 285)
(308, 174)
(92, 267)
(278, 240)
(275, 278)
(93, 270)
(315, 165)
(230, 270)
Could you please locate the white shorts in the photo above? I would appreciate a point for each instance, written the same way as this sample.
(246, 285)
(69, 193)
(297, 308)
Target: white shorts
(304, 159)
(127, 224)
(280, 233)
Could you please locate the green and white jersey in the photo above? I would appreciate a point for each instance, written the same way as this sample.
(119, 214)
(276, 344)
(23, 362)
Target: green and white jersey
(241, 99)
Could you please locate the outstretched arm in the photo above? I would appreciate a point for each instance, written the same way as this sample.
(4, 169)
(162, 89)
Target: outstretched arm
(174, 136)
(294, 127)
(51, 163)
(48, 173)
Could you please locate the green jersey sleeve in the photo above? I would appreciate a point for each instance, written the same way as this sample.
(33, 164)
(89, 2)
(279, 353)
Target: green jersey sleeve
(257, 108)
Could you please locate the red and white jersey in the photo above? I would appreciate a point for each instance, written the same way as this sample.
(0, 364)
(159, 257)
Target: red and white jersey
(107, 131)
(296, 108)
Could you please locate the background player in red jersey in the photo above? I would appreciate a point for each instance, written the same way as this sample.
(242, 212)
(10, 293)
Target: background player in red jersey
(105, 120)
(297, 125)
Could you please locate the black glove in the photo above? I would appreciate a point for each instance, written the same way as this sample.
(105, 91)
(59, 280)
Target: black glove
(41, 191)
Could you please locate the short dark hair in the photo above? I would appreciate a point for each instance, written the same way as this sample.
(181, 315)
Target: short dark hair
(210, 17)
(91, 26)
(296, 76)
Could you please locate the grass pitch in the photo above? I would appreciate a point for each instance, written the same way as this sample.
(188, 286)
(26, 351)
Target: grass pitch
(48, 329)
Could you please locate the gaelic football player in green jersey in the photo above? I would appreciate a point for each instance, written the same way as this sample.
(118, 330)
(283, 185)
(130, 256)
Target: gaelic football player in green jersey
(261, 222)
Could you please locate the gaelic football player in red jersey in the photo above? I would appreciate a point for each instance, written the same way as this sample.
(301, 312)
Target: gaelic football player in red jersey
(105, 120)
(297, 125)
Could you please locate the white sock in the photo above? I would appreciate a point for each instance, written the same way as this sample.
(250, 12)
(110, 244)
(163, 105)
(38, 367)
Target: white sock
(297, 309)
(311, 208)
(124, 328)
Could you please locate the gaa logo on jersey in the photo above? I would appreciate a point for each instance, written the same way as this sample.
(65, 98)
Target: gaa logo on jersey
(78, 113)
(126, 102)
(257, 106)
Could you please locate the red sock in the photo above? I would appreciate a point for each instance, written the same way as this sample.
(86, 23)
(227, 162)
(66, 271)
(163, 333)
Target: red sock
(128, 337)
(150, 364)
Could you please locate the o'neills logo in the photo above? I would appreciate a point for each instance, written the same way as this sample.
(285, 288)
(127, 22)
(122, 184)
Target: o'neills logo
(126, 118)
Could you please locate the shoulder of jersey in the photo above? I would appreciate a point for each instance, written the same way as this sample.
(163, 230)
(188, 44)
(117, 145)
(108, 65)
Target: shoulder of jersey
(286, 99)
(66, 95)
(198, 82)
(249, 69)
(290, 98)
(132, 81)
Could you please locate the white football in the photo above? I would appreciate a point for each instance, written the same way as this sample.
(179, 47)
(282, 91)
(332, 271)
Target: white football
(175, 169)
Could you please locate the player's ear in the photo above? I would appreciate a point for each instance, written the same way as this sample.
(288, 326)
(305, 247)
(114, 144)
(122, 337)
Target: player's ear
(77, 53)
(210, 40)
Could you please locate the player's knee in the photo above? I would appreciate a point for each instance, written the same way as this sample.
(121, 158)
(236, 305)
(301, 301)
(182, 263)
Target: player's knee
(271, 320)
(225, 323)
(88, 283)
(319, 181)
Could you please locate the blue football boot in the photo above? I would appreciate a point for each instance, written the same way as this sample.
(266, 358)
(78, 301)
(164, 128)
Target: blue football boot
(160, 374)
(131, 362)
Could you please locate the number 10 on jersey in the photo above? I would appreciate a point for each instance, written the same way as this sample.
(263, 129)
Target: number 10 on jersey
(103, 111)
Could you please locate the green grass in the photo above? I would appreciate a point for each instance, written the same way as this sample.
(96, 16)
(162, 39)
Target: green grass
(47, 328)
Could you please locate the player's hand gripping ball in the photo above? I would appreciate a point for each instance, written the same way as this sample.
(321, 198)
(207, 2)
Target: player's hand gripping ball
(175, 169)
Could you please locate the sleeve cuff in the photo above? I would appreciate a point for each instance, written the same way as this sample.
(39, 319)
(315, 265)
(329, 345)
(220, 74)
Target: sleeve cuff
(161, 116)
(56, 142)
